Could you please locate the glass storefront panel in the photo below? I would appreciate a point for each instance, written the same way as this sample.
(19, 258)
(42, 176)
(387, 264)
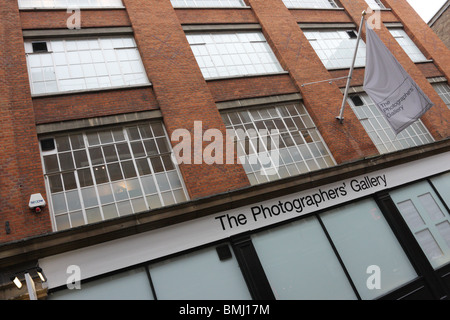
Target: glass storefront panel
(129, 285)
(442, 185)
(300, 263)
(427, 217)
(200, 275)
(367, 245)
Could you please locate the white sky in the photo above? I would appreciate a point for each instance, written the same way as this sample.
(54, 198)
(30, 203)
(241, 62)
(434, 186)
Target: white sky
(427, 8)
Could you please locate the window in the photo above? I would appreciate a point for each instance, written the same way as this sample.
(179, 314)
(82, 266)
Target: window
(200, 275)
(39, 47)
(310, 3)
(128, 285)
(97, 175)
(298, 147)
(363, 239)
(427, 217)
(379, 130)
(300, 263)
(208, 3)
(27, 4)
(375, 4)
(336, 48)
(233, 54)
(83, 64)
(443, 90)
(408, 45)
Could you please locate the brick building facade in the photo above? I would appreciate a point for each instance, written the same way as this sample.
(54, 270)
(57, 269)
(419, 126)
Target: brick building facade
(89, 114)
(440, 24)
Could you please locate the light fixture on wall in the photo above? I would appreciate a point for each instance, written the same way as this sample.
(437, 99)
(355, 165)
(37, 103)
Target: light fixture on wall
(16, 281)
(41, 275)
(29, 280)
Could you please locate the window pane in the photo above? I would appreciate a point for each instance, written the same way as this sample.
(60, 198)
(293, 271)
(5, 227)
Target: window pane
(89, 197)
(310, 3)
(23, 4)
(363, 238)
(208, 3)
(85, 177)
(442, 184)
(55, 183)
(69, 181)
(100, 174)
(300, 263)
(199, 276)
(51, 164)
(129, 285)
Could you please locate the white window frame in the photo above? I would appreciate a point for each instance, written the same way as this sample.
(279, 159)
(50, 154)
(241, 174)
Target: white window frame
(311, 4)
(443, 90)
(208, 3)
(382, 134)
(375, 4)
(301, 148)
(232, 54)
(407, 45)
(336, 48)
(58, 4)
(153, 196)
(114, 70)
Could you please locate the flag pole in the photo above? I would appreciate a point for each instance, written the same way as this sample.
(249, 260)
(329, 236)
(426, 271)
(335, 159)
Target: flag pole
(349, 78)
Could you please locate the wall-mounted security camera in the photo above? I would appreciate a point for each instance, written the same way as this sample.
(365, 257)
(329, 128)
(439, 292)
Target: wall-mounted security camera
(37, 202)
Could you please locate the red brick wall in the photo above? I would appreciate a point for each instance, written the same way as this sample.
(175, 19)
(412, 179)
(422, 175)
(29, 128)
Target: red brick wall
(89, 18)
(252, 87)
(20, 163)
(205, 16)
(181, 91)
(93, 104)
(319, 16)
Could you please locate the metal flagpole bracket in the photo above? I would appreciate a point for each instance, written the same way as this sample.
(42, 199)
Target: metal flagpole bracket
(349, 78)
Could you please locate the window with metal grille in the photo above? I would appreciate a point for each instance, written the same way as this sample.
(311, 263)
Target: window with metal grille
(98, 175)
(408, 45)
(82, 64)
(443, 90)
(48, 4)
(208, 3)
(297, 148)
(231, 54)
(379, 130)
(375, 4)
(336, 48)
(310, 3)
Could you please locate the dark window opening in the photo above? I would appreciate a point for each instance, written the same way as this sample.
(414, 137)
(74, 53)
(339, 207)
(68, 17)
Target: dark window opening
(357, 101)
(40, 47)
(352, 34)
(48, 144)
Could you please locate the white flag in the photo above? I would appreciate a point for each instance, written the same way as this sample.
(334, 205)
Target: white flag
(391, 88)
